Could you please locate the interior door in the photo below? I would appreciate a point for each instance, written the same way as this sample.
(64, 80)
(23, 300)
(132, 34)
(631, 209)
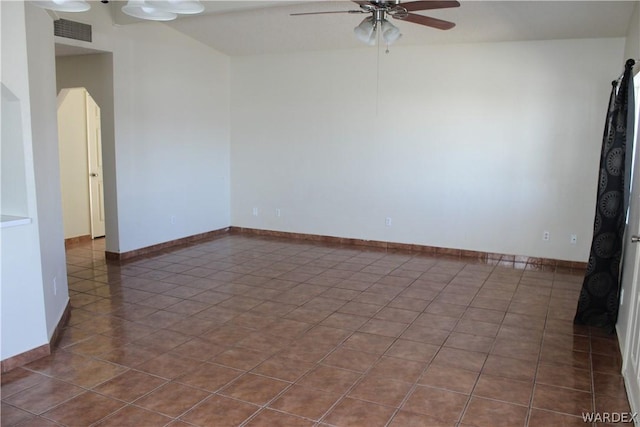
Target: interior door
(94, 145)
(629, 318)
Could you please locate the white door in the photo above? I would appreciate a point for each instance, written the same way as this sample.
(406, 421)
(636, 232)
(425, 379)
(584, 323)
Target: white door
(94, 146)
(629, 316)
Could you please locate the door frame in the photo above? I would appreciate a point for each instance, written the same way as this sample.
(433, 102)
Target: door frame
(630, 341)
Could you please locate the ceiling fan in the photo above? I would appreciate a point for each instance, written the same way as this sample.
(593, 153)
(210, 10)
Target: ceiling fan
(380, 9)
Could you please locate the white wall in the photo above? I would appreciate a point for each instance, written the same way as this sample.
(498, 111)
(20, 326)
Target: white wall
(44, 128)
(479, 147)
(172, 136)
(23, 320)
(72, 142)
(632, 44)
(171, 132)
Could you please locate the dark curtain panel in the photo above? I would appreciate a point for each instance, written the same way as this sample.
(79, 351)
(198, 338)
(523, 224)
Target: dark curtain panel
(599, 297)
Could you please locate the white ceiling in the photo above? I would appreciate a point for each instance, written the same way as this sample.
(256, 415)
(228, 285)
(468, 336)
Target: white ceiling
(240, 27)
(259, 27)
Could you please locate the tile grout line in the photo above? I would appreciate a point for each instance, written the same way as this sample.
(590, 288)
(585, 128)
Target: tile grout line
(336, 261)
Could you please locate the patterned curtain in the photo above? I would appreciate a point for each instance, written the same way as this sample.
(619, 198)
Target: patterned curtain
(600, 294)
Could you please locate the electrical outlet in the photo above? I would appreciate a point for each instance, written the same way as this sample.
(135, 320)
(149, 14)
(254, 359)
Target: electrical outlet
(172, 219)
(387, 222)
(546, 236)
(573, 239)
(255, 211)
(278, 213)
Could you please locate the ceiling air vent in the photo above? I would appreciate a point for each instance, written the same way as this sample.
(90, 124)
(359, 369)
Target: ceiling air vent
(72, 30)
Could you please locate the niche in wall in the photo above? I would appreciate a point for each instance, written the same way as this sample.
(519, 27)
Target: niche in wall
(13, 192)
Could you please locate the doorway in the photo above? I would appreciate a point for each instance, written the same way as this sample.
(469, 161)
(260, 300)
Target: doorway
(93, 70)
(80, 139)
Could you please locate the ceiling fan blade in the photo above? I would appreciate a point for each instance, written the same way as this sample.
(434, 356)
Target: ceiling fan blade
(428, 5)
(428, 21)
(331, 11)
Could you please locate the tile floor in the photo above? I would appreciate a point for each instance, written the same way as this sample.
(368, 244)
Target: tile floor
(249, 331)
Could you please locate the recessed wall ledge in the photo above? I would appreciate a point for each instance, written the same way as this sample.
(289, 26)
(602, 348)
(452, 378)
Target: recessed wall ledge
(13, 221)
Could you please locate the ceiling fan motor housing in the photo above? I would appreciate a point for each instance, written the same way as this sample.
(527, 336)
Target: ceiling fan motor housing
(378, 15)
(379, 9)
(386, 3)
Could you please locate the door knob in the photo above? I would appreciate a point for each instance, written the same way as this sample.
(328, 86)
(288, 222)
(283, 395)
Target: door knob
(635, 239)
(93, 174)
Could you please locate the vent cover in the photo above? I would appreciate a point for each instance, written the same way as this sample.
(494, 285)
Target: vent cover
(72, 30)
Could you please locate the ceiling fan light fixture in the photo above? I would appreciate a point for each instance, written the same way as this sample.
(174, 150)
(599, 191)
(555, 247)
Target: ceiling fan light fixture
(64, 5)
(390, 33)
(187, 7)
(140, 9)
(366, 31)
(397, 9)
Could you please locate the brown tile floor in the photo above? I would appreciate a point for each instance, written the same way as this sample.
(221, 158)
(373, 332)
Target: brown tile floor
(252, 331)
